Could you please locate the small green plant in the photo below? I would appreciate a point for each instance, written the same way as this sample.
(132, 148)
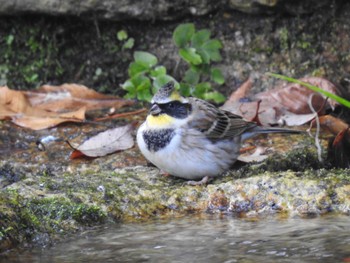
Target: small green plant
(128, 43)
(146, 76)
(198, 51)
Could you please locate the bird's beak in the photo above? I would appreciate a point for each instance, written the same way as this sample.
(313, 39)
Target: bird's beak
(155, 110)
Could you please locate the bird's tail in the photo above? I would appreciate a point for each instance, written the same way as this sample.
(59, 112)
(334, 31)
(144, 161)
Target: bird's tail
(264, 130)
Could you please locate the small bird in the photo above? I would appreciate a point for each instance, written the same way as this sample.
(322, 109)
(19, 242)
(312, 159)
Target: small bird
(191, 138)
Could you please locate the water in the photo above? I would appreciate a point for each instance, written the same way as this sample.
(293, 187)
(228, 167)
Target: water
(210, 239)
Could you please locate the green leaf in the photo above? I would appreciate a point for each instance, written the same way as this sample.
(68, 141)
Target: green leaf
(190, 56)
(196, 69)
(135, 69)
(216, 76)
(185, 89)
(161, 81)
(205, 69)
(140, 82)
(143, 88)
(129, 43)
(128, 85)
(191, 77)
(122, 35)
(158, 71)
(183, 34)
(130, 88)
(205, 56)
(314, 88)
(144, 95)
(215, 96)
(201, 89)
(145, 59)
(212, 47)
(200, 37)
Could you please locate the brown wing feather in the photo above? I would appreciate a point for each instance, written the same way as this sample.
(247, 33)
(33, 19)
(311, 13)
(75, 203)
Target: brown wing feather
(216, 123)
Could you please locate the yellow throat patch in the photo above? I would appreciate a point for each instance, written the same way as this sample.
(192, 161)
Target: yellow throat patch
(160, 121)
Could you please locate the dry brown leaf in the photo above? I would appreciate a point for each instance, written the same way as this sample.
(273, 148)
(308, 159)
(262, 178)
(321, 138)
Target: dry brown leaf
(332, 124)
(291, 119)
(286, 105)
(75, 90)
(12, 102)
(72, 97)
(294, 98)
(50, 120)
(5, 113)
(242, 91)
(339, 146)
(52, 105)
(107, 142)
(16, 107)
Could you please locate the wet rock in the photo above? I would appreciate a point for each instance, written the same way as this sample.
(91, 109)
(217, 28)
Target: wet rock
(41, 209)
(268, 6)
(111, 9)
(153, 10)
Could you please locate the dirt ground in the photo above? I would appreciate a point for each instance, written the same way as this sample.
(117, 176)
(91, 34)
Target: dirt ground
(40, 49)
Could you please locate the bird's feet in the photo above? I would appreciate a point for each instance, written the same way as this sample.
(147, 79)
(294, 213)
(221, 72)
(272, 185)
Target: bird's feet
(163, 173)
(204, 181)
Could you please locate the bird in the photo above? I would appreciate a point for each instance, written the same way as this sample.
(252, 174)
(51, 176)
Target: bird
(190, 138)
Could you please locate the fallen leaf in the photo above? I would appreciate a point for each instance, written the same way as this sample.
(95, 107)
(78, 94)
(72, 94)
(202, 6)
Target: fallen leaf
(287, 105)
(107, 142)
(40, 122)
(242, 91)
(52, 105)
(291, 119)
(338, 153)
(294, 98)
(16, 107)
(258, 155)
(76, 154)
(330, 123)
(69, 97)
(12, 102)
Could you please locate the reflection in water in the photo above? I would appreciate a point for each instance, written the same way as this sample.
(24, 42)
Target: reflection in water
(224, 239)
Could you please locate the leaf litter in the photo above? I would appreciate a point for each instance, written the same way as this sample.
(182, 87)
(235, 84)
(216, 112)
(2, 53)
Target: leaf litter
(286, 104)
(50, 106)
(106, 142)
(289, 104)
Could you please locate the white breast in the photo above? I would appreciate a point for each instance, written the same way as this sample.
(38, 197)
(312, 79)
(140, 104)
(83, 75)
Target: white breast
(191, 155)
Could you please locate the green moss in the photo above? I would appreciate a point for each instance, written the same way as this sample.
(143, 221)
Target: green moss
(23, 219)
(55, 210)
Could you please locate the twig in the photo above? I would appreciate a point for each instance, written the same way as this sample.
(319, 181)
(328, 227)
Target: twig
(120, 115)
(317, 139)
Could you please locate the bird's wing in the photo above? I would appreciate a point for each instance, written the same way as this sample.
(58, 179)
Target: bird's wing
(216, 123)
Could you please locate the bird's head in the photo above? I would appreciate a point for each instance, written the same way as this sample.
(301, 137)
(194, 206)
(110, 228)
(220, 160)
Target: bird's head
(168, 108)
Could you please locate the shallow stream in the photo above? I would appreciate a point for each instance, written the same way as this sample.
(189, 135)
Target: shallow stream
(209, 239)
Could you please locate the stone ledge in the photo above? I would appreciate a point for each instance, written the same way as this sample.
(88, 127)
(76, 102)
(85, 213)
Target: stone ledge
(154, 10)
